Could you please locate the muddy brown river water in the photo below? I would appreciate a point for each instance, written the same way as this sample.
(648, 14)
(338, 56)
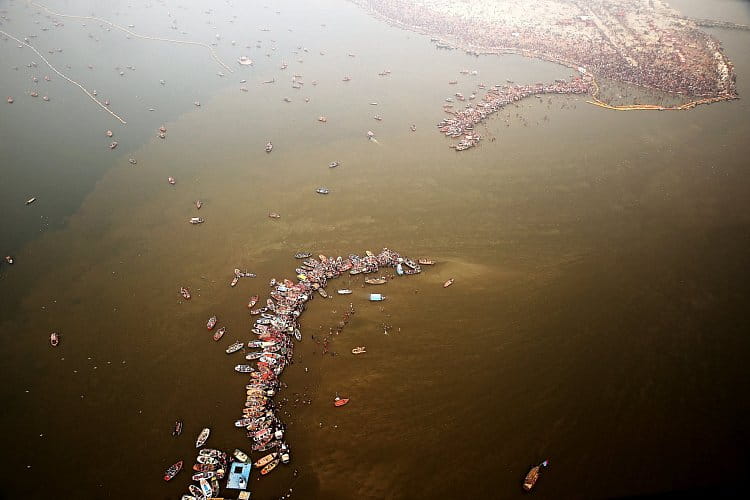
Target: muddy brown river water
(600, 262)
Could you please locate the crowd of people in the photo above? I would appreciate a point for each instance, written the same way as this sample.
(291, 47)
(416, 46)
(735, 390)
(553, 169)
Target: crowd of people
(617, 41)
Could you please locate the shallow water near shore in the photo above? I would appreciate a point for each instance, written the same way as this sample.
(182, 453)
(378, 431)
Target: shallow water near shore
(600, 261)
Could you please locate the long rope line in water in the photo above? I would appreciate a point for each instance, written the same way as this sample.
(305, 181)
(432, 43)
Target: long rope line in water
(137, 35)
(91, 96)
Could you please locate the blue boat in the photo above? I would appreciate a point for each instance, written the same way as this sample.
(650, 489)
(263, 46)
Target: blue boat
(376, 297)
(238, 475)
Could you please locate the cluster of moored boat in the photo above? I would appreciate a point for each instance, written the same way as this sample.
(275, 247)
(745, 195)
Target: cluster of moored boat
(276, 325)
(462, 122)
(213, 465)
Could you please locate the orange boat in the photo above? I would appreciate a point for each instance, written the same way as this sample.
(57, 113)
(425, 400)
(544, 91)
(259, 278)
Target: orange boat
(271, 466)
(533, 475)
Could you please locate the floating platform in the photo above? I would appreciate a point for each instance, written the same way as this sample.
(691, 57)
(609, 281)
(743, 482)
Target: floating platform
(238, 475)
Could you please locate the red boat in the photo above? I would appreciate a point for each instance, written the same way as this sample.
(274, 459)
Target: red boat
(172, 471)
(211, 323)
(253, 300)
(54, 339)
(185, 293)
(340, 401)
(220, 333)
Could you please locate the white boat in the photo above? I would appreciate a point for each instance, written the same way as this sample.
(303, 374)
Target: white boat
(269, 147)
(206, 489)
(344, 291)
(245, 61)
(240, 455)
(234, 347)
(197, 220)
(30, 201)
(202, 437)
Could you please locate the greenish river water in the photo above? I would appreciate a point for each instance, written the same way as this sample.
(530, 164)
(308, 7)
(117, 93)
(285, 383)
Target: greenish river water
(600, 263)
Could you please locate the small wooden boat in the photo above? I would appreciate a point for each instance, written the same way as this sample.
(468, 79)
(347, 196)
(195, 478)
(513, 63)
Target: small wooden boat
(207, 459)
(132, 161)
(211, 323)
(206, 489)
(10, 100)
(172, 471)
(185, 293)
(198, 204)
(410, 263)
(234, 282)
(323, 293)
(54, 339)
(376, 281)
(202, 437)
(333, 164)
(269, 147)
(253, 300)
(413, 128)
(533, 475)
(234, 347)
(253, 356)
(302, 255)
(30, 201)
(240, 455)
(274, 215)
(337, 401)
(265, 460)
(271, 466)
(113, 145)
(359, 350)
(196, 220)
(426, 262)
(243, 368)
(171, 180)
(203, 475)
(298, 335)
(243, 422)
(204, 467)
(322, 190)
(448, 283)
(220, 333)
(177, 430)
(344, 291)
(195, 491)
